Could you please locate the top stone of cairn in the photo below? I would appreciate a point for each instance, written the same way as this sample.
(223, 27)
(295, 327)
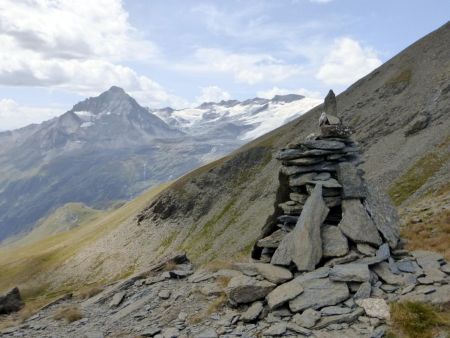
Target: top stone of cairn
(330, 125)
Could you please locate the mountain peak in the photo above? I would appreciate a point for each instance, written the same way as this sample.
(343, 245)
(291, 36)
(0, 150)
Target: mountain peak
(116, 90)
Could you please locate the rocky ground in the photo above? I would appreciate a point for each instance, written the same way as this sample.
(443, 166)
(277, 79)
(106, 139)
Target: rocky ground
(176, 301)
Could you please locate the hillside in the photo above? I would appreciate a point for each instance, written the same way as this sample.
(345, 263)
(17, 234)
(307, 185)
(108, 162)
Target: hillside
(400, 114)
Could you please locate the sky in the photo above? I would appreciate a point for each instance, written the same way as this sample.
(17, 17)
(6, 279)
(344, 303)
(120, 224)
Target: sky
(180, 53)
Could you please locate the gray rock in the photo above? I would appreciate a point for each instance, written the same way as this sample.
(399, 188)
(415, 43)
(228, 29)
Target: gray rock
(425, 280)
(319, 293)
(407, 289)
(330, 183)
(284, 293)
(352, 184)
(164, 294)
(211, 289)
(300, 180)
(300, 198)
(207, 332)
(117, 299)
(393, 266)
(252, 312)
(334, 243)
(334, 310)
(330, 104)
(298, 329)
(276, 330)
(295, 170)
(150, 332)
(244, 289)
(356, 223)
(307, 319)
(303, 246)
(350, 257)
(430, 263)
(379, 332)
(324, 144)
(344, 318)
(383, 271)
(420, 122)
(289, 154)
(171, 332)
(274, 274)
(383, 214)
(364, 291)
(271, 241)
(11, 302)
(322, 176)
(446, 268)
(375, 307)
(366, 249)
(352, 272)
(335, 130)
(409, 266)
(305, 161)
(291, 208)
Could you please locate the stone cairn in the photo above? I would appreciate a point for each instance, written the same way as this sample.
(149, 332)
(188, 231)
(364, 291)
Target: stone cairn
(331, 252)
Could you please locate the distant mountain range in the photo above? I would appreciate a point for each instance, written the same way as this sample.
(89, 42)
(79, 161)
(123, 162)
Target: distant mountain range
(109, 148)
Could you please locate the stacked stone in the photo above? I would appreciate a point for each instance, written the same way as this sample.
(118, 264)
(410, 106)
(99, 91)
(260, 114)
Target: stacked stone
(332, 250)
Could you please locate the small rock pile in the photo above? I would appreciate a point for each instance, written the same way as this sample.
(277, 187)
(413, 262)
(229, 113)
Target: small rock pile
(331, 253)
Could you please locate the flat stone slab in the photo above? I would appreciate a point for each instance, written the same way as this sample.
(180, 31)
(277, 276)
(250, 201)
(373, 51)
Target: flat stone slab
(319, 293)
(272, 241)
(356, 223)
(284, 293)
(307, 319)
(344, 318)
(375, 307)
(323, 166)
(303, 245)
(272, 273)
(334, 243)
(384, 214)
(352, 272)
(324, 144)
(383, 271)
(352, 184)
(244, 289)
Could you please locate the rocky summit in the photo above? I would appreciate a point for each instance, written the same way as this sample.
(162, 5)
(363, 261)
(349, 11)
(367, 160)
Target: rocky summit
(327, 264)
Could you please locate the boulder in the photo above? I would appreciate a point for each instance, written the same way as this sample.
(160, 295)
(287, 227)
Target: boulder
(11, 302)
(117, 299)
(356, 223)
(330, 104)
(352, 184)
(318, 293)
(319, 167)
(352, 272)
(335, 130)
(430, 263)
(375, 307)
(244, 289)
(334, 243)
(252, 312)
(303, 246)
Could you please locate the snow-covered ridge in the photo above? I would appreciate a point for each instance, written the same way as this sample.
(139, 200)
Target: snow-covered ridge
(250, 119)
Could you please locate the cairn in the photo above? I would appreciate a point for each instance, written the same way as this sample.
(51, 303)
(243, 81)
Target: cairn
(331, 252)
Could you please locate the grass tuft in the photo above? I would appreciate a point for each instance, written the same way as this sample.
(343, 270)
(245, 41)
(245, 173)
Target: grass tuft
(68, 313)
(416, 320)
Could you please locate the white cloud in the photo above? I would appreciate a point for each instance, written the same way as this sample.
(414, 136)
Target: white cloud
(346, 62)
(212, 94)
(270, 93)
(14, 115)
(75, 46)
(320, 1)
(249, 68)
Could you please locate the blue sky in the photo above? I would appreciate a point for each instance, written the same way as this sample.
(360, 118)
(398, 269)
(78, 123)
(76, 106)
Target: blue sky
(182, 52)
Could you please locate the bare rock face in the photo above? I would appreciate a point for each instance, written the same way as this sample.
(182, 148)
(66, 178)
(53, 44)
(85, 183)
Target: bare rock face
(11, 302)
(303, 246)
(356, 223)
